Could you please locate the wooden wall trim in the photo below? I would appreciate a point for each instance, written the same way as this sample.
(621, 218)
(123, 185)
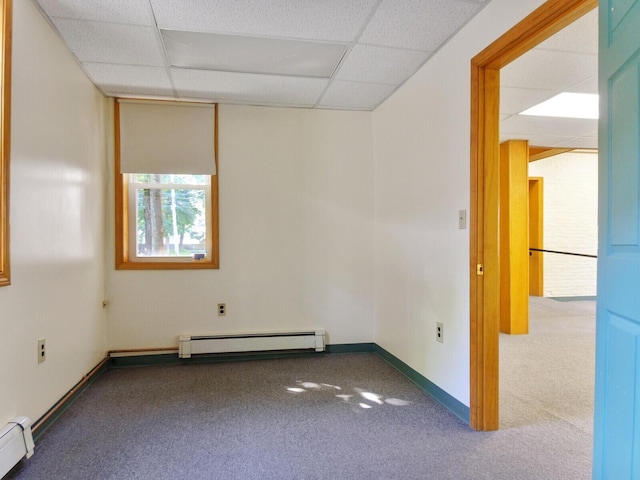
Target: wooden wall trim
(551, 17)
(6, 12)
(538, 153)
(548, 19)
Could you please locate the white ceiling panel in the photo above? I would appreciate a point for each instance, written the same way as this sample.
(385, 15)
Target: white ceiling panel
(578, 142)
(247, 88)
(321, 20)
(416, 25)
(571, 127)
(136, 12)
(372, 64)
(516, 100)
(354, 95)
(579, 37)
(549, 70)
(535, 140)
(111, 43)
(589, 85)
(554, 141)
(126, 79)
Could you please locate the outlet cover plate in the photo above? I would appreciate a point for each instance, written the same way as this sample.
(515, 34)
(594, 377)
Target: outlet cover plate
(42, 350)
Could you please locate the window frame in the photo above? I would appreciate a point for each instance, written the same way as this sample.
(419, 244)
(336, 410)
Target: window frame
(6, 12)
(125, 258)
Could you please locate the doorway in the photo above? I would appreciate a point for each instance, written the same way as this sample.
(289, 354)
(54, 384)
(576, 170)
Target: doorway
(548, 19)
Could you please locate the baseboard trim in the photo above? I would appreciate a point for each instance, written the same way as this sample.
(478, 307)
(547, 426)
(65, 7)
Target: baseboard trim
(137, 359)
(50, 417)
(574, 298)
(452, 404)
(173, 358)
(350, 347)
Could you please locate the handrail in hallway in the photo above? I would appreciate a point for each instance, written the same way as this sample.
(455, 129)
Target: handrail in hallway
(563, 253)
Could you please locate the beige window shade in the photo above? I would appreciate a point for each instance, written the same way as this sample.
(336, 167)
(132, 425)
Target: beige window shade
(166, 138)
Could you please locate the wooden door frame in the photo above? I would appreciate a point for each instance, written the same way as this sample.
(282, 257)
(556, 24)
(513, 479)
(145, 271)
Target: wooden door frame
(484, 255)
(536, 233)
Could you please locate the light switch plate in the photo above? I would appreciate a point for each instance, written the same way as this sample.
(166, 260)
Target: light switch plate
(462, 219)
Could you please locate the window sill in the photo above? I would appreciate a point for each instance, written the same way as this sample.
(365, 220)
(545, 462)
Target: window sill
(194, 265)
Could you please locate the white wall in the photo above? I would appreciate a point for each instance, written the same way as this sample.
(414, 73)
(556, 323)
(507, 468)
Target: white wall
(58, 167)
(296, 237)
(421, 138)
(570, 222)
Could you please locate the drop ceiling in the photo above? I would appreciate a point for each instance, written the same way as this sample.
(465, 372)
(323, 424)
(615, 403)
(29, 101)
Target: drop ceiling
(128, 47)
(566, 62)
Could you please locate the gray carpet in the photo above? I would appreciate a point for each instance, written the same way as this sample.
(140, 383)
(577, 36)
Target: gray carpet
(348, 416)
(548, 375)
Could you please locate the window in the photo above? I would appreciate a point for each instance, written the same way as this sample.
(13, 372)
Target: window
(167, 216)
(5, 135)
(170, 216)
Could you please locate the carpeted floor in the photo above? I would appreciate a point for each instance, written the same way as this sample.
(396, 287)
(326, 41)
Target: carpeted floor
(549, 375)
(348, 416)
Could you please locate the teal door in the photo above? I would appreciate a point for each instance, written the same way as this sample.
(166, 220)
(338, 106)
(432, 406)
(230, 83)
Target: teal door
(617, 401)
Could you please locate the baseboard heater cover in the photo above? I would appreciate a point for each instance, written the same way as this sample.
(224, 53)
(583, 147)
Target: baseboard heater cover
(16, 442)
(254, 342)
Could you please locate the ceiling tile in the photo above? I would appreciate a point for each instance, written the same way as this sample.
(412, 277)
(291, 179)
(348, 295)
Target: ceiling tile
(366, 63)
(573, 127)
(516, 100)
(321, 20)
(544, 69)
(130, 79)
(422, 25)
(111, 43)
(590, 85)
(579, 37)
(578, 142)
(248, 88)
(135, 12)
(354, 95)
(536, 140)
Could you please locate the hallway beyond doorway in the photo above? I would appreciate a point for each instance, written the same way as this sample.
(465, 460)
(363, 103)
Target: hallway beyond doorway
(548, 375)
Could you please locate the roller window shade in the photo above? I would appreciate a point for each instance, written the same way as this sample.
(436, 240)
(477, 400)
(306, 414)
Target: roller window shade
(167, 138)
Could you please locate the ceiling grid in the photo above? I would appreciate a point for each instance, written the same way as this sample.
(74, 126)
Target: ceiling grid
(376, 46)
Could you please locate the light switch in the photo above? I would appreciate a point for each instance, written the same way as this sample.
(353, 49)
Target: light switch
(462, 219)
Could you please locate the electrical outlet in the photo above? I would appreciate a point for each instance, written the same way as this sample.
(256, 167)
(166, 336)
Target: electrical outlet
(42, 350)
(222, 309)
(439, 332)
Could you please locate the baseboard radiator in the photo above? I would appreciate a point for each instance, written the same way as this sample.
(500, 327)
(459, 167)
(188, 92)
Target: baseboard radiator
(16, 442)
(255, 342)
